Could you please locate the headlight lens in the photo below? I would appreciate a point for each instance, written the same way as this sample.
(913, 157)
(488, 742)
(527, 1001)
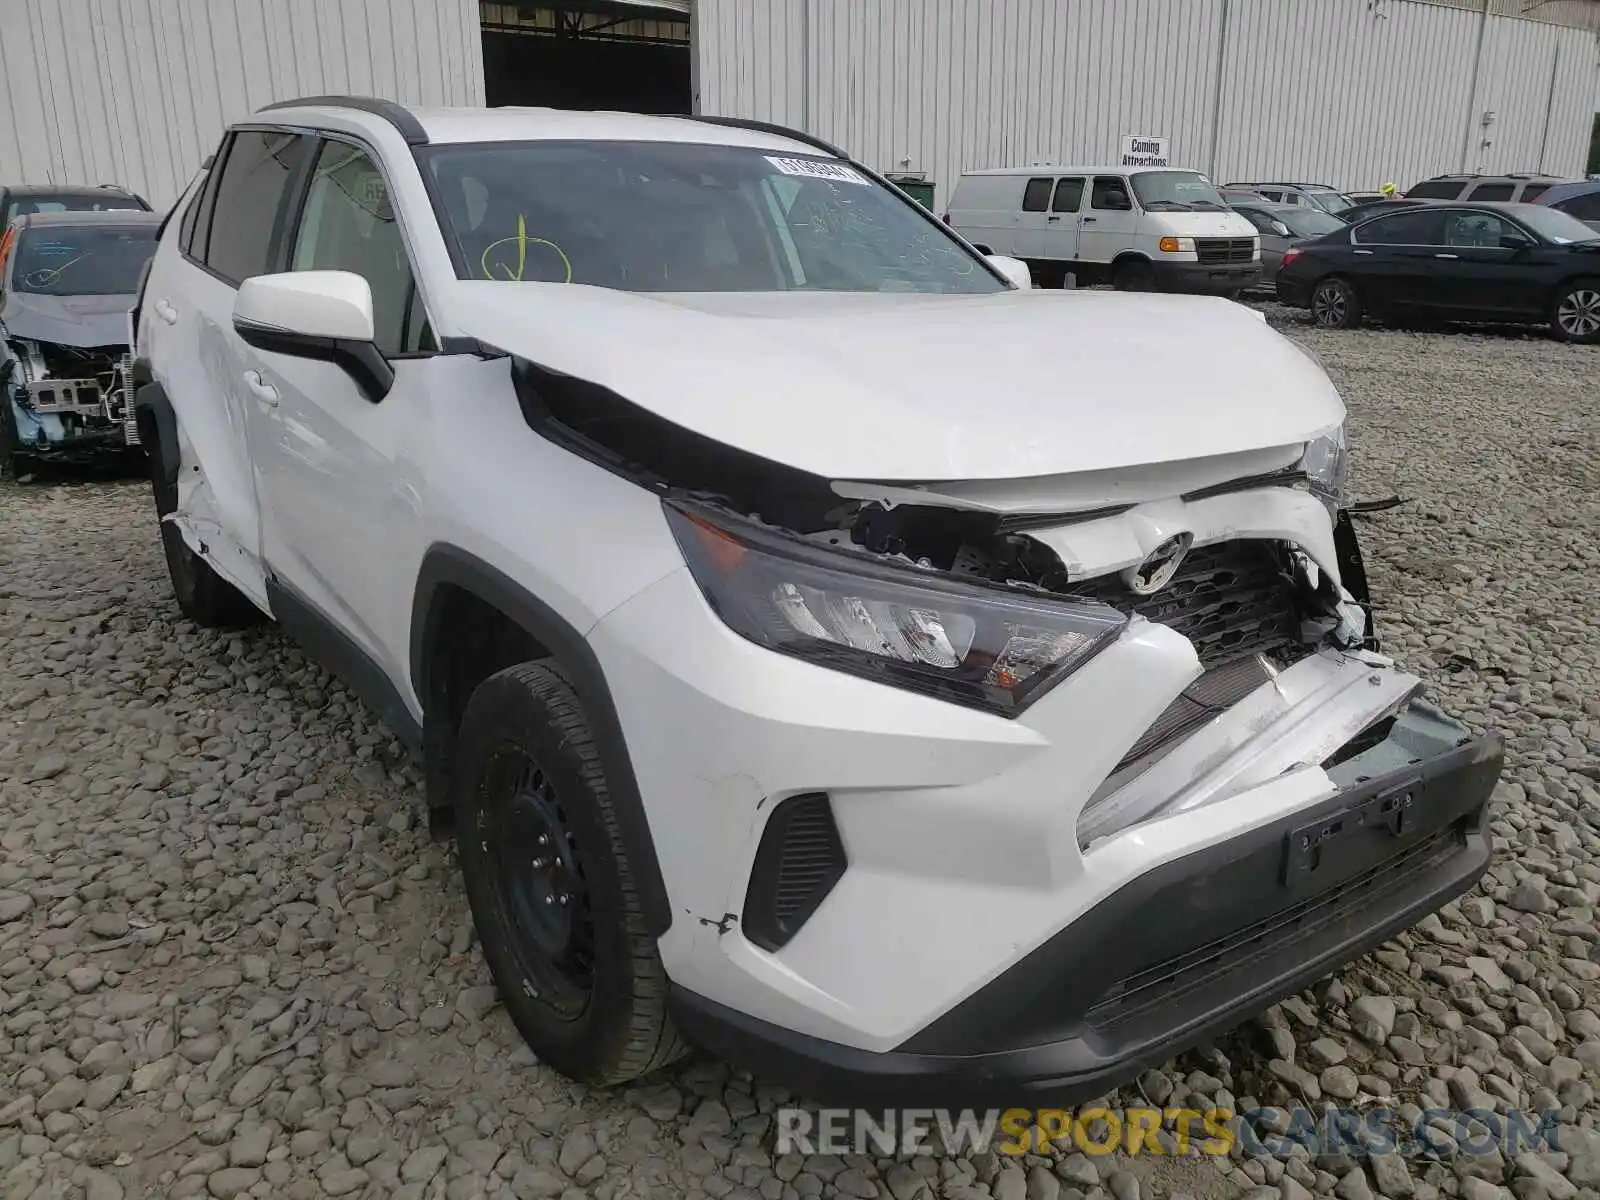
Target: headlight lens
(1327, 466)
(970, 643)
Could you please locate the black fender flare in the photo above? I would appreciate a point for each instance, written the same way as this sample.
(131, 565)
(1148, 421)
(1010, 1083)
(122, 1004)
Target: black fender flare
(448, 565)
(153, 413)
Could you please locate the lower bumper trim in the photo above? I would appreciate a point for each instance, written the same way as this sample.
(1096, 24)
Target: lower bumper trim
(1118, 990)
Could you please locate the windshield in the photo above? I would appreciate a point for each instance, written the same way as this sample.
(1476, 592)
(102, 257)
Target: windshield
(1554, 225)
(1331, 202)
(75, 260)
(1308, 223)
(1175, 191)
(683, 217)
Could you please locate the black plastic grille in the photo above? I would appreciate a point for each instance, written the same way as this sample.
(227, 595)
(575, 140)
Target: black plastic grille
(1165, 981)
(799, 860)
(1224, 250)
(1232, 600)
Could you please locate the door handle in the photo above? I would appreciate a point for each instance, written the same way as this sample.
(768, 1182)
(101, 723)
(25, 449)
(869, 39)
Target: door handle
(1089, 220)
(261, 389)
(1447, 256)
(166, 312)
(1363, 251)
(1052, 220)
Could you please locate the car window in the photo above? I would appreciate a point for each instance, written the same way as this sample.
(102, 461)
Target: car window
(1069, 195)
(1259, 219)
(1036, 196)
(245, 211)
(348, 224)
(23, 206)
(1585, 207)
(1312, 222)
(689, 217)
(1176, 191)
(1110, 194)
(1415, 227)
(1478, 230)
(1492, 191)
(82, 260)
(1532, 191)
(1436, 189)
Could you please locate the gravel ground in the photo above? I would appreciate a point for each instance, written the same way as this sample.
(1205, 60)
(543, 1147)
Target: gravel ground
(231, 963)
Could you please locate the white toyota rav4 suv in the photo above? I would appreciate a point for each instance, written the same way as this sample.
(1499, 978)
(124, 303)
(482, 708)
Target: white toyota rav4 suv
(830, 652)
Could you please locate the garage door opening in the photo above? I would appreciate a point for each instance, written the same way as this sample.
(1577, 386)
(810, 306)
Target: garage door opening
(588, 54)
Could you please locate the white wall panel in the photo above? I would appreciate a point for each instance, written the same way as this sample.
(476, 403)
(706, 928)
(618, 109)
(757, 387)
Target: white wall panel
(1336, 90)
(137, 92)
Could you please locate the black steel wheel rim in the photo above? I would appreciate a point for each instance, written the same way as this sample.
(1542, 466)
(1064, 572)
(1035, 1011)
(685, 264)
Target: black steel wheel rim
(1331, 304)
(538, 883)
(1579, 312)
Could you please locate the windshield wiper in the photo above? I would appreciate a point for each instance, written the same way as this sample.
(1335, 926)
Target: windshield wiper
(1207, 205)
(1168, 205)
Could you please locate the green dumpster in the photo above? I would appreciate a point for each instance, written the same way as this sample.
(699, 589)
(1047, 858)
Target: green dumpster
(917, 187)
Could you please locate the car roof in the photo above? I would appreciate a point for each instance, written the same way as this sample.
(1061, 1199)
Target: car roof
(64, 189)
(1269, 206)
(1103, 169)
(448, 126)
(1566, 191)
(105, 216)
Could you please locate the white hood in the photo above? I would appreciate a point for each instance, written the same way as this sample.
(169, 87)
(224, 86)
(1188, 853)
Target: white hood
(913, 387)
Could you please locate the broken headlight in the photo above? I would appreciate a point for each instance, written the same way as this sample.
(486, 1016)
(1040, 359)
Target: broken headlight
(1326, 464)
(971, 643)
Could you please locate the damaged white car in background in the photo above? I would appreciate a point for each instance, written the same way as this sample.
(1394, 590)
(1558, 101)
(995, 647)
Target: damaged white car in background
(826, 651)
(67, 281)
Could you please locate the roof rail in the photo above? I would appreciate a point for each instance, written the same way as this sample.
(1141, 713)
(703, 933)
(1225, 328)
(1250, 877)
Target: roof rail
(776, 130)
(396, 114)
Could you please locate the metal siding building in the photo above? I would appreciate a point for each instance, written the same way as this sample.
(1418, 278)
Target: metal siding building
(137, 92)
(1350, 92)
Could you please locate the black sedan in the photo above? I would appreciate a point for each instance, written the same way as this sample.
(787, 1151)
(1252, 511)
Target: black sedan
(1514, 263)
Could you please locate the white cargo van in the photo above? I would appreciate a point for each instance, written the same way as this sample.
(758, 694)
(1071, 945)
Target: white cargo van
(1141, 228)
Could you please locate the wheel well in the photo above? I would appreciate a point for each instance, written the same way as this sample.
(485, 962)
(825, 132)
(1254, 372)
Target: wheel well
(1126, 257)
(470, 640)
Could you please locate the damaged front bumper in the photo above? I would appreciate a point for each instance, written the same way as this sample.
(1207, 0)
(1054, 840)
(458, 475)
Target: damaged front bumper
(1183, 951)
(81, 418)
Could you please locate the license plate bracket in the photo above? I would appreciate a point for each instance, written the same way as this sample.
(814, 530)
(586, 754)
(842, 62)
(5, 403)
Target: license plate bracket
(1319, 848)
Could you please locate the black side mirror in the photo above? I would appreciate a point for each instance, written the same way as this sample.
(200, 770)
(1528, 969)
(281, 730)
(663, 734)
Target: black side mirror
(1513, 242)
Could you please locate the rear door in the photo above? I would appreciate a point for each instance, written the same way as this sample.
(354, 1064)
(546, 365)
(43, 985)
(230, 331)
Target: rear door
(1061, 225)
(225, 235)
(1395, 259)
(1033, 218)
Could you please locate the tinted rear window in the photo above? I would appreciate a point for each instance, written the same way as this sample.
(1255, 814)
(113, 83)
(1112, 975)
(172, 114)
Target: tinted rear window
(1436, 189)
(1585, 207)
(1036, 196)
(1414, 227)
(1493, 191)
(1532, 191)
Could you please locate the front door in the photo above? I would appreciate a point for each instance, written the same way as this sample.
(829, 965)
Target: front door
(1486, 267)
(1110, 223)
(337, 501)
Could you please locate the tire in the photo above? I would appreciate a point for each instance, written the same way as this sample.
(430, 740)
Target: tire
(1132, 275)
(559, 919)
(202, 595)
(1575, 312)
(1335, 304)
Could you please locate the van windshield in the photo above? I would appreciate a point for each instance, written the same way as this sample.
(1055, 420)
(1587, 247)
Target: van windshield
(687, 217)
(1176, 191)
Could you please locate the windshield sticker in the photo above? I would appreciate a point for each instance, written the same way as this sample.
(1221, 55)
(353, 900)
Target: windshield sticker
(810, 168)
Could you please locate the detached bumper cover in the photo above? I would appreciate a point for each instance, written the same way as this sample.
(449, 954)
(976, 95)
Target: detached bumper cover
(1129, 983)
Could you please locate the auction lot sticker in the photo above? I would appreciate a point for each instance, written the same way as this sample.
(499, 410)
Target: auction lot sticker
(811, 168)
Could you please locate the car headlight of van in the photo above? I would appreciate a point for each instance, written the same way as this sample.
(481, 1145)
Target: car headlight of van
(1326, 464)
(971, 643)
(1177, 245)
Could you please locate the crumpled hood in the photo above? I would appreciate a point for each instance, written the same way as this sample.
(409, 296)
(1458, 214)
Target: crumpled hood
(80, 321)
(915, 387)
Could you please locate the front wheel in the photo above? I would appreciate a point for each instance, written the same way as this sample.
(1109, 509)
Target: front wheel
(1133, 275)
(1335, 305)
(553, 896)
(1575, 315)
